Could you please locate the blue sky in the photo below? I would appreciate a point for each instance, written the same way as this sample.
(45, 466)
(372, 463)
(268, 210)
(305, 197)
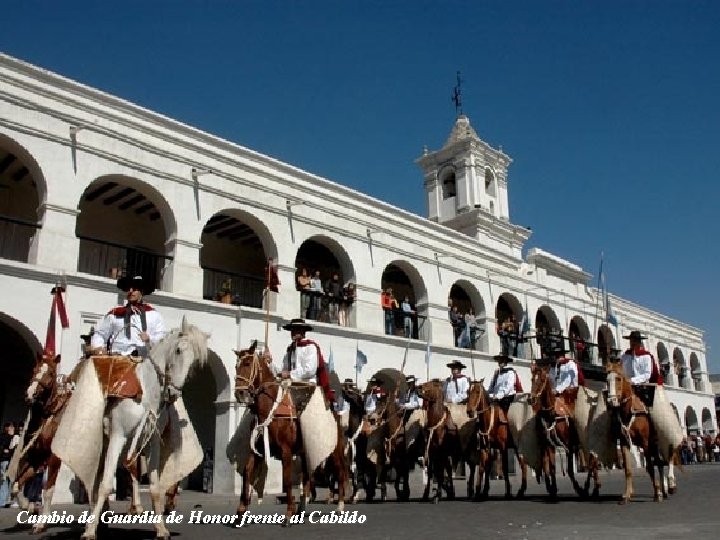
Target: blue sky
(608, 109)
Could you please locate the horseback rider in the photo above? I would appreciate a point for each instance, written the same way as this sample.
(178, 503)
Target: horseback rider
(411, 400)
(303, 361)
(456, 386)
(374, 395)
(641, 368)
(565, 373)
(505, 382)
(131, 329)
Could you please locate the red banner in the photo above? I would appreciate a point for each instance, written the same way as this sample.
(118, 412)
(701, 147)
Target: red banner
(58, 307)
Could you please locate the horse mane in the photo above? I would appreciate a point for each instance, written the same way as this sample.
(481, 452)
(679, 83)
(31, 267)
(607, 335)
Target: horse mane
(196, 337)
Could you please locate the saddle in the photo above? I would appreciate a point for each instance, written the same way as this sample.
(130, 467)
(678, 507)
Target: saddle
(565, 403)
(117, 376)
(295, 400)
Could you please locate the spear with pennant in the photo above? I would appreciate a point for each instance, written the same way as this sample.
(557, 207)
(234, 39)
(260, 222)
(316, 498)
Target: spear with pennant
(272, 283)
(56, 310)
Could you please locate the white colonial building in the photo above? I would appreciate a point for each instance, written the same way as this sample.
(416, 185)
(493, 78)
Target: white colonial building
(92, 187)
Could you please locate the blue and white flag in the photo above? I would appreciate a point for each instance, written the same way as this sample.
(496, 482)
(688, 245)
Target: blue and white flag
(611, 318)
(360, 360)
(463, 340)
(330, 362)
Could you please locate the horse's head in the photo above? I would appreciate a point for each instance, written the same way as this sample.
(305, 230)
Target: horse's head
(431, 392)
(247, 372)
(44, 378)
(618, 385)
(478, 399)
(540, 390)
(180, 350)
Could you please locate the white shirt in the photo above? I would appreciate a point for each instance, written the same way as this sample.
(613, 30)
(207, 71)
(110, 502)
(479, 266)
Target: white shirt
(371, 403)
(637, 368)
(411, 401)
(112, 328)
(316, 284)
(456, 390)
(565, 377)
(504, 386)
(303, 364)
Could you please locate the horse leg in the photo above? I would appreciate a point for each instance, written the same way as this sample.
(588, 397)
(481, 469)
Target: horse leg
(552, 470)
(451, 485)
(627, 466)
(650, 463)
(245, 494)
(287, 485)
(341, 472)
(135, 504)
(571, 456)
(53, 467)
(506, 470)
(523, 472)
(471, 480)
(672, 485)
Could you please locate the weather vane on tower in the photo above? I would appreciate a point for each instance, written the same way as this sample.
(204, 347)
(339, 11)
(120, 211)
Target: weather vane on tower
(457, 96)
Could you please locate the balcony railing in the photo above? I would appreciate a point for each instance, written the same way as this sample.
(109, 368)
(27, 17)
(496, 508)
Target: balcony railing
(233, 287)
(101, 258)
(15, 236)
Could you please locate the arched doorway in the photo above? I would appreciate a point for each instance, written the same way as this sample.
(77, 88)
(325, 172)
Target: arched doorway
(468, 301)
(606, 343)
(203, 387)
(696, 372)
(509, 317)
(663, 359)
(548, 330)
(707, 423)
(22, 189)
(234, 258)
(124, 226)
(323, 258)
(20, 348)
(579, 337)
(691, 421)
(405, 282)
(681, 369)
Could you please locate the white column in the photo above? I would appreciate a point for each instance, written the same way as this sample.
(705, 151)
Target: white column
(183, 275)
(55, 245)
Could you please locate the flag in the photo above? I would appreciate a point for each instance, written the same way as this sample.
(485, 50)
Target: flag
(273, 279)
(427, 354)
(610, 317)
(525, 323)
(58, 307)
(330, 362)
(360, 360)
(463, 340)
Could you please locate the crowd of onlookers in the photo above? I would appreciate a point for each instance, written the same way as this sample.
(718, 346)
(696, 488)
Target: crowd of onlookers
(700, 448)
(398, 315)
(465, 326)
(9, 439)
(326, 302)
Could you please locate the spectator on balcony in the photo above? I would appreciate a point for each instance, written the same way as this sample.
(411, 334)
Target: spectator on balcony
(389, 304)
(472, 327)
(457, 321)
(131, 329)
(408, 313)
(333, 290)
(508, 336)
(346, 302)
(316, 290)
(303, 284)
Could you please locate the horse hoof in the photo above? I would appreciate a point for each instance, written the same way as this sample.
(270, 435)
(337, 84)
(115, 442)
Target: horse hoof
(286, 522)
(520, 494)
(341, 506)
(165, 536)
(623, 501)
(38, 529)
(87, 536)
(508, 496)
(672, 491)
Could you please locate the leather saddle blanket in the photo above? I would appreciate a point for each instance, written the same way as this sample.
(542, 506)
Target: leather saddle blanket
(117, 376)
(295, 401)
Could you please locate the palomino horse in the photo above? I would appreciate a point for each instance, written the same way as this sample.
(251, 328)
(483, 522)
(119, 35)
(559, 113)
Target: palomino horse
(161, 377)
(47, 399)
(442, 441)
(555, 425)
(635, 427)
(493, 433)
(255, 383)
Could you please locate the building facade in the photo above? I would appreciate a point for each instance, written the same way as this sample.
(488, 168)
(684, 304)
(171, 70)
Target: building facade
(93, 187)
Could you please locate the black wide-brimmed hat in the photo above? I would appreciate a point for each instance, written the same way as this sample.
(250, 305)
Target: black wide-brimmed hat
(635, 335)
(137, 282)
(298, 324)
(410, 378)
(456, 364)
(502, 358)
(349, 382)
(375, 381)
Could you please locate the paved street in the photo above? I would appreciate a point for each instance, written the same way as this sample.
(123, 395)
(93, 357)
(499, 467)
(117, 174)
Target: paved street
(691, 513)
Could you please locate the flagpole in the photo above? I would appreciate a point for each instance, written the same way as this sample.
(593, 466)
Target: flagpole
(472, 362)
(357, 370)
(407, 348)
(597, 303)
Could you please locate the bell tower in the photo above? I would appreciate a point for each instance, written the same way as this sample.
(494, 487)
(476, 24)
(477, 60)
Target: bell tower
(466, 187)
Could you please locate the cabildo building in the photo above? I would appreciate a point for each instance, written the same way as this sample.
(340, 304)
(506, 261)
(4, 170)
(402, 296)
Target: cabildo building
(92, 187)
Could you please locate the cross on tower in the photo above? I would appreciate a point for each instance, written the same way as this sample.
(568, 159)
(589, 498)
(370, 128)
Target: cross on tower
(457, 96)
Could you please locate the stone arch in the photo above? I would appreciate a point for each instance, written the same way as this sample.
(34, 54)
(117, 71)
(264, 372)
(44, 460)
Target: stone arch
(448, 182)
(547, 324)
(325, 255)
(696, 372)
(663, 358)
(22, 194)
(490, 183)
(508, 306)
(681, 369)
(465, 296)
(405, 280)
(20, 347)
(125, 226)
(691, 421)
(606, 342)
(707, 421)
(677, 414)
(579, 336)
(235, 249)
(206, 385)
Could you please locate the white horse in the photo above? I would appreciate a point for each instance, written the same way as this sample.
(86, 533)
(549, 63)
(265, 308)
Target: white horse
(161, 377)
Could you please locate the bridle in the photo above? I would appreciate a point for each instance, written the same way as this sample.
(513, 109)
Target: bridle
(534, 398)
(45, 382)
(250, 380)
(615, 398)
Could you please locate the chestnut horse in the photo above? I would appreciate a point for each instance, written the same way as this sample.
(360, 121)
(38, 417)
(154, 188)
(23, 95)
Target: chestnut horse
(256, 384)
(634, 426)
(47, 399)
(493, 433)
(555, 429)
(442, 441)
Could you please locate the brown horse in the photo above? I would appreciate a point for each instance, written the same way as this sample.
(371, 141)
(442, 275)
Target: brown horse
(634, 426)
(493, 433)
(442, 441)
(47, 399)
(255, 383)
(556, 429)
